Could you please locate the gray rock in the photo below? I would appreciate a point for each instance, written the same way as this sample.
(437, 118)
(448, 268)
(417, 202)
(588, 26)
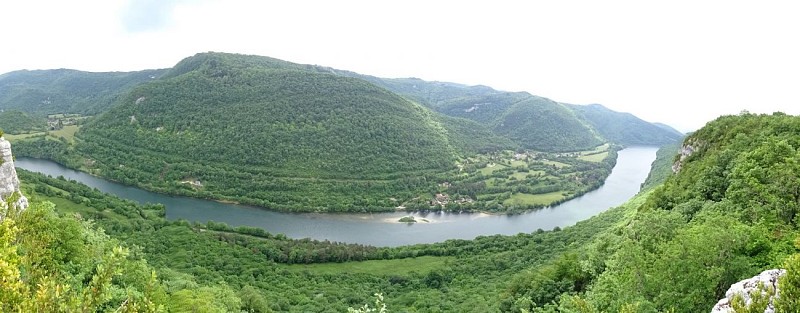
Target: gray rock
(768, 278)
(9, 182)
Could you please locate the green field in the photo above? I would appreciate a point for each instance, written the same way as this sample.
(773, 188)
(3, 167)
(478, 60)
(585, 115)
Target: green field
(488, 170)
(556, 163)
(518, 163)
(528, 199)
(524, 174)
(600, 148)
(68, 133)
(422, 265)
(597, 157)
(13, 138)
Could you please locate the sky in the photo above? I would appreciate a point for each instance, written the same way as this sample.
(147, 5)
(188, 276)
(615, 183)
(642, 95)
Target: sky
(678, 62)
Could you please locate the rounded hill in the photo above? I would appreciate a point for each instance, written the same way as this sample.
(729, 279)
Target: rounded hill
(254, 119)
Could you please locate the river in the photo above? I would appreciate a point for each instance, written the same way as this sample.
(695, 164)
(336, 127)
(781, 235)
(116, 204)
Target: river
(379, 229)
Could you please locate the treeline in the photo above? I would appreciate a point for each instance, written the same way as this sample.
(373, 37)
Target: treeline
(18, 122)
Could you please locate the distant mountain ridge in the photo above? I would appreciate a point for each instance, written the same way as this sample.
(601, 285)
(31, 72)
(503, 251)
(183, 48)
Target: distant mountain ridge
(533, 122)
(625, 128)
(514, 119)
(43, 92)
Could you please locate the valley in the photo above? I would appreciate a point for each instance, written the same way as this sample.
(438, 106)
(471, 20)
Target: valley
(299, 138)
(576, 223)
(381, 229)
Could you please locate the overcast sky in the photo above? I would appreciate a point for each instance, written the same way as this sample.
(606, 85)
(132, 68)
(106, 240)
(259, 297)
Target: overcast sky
(678, 62)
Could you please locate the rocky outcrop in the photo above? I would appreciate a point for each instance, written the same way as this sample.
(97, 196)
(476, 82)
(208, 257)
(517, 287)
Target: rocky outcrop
(9, 182)
(768, 279)
(687, 150)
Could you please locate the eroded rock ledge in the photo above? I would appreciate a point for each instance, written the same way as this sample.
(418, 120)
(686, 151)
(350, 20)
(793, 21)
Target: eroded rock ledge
(9, 182)
(744, 288)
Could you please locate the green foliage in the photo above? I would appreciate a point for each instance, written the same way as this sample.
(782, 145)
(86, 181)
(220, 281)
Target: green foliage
(471, 137)
(624, 128)
(17, 122)
(662, 166)
(542, 124)
(274, 136)
(407, 219)
(61, 264)
(457, 275)
(45, 92)
(759, 300)
(730, 212)
(531, 122)
(789, 284)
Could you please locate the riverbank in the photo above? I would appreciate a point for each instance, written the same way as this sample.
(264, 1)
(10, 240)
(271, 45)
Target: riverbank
(370, 228)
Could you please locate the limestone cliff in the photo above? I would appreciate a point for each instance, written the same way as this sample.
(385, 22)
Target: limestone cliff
(9, 182)
(688, 148)
(767, 279)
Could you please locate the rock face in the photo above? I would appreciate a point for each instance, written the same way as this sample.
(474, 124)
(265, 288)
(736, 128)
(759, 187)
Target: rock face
(9, 182)
(743, 288)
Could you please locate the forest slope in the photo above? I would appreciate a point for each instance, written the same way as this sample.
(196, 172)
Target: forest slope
(286, 136)
(244, 126)
(531, 121)
(625, 128)
(43, 92)
(729, 213)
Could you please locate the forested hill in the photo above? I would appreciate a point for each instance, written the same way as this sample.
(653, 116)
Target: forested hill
(625, 128)
(222, 110)
(729, 213)
(531, 121)
(43, 92)
(258, 128)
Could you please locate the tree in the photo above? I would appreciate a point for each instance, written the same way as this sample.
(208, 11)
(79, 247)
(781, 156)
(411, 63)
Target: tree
(789, 285)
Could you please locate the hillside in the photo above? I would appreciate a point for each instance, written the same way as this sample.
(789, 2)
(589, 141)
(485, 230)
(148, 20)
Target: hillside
(532, 122)
(43, 92)
(624, 128)
(272, 129)
(17, 122)
(266, 132)
(213, 265)
(729, 213)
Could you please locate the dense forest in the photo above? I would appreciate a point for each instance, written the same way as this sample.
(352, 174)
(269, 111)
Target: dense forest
(277, 137)
(218, 268)
(292, 137)
(625, 128)
(17, 122)
(728, 213)
(44, 92)
(533, 122)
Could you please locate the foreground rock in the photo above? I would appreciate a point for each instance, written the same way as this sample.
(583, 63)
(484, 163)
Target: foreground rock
(9, 182)
(744, 288)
